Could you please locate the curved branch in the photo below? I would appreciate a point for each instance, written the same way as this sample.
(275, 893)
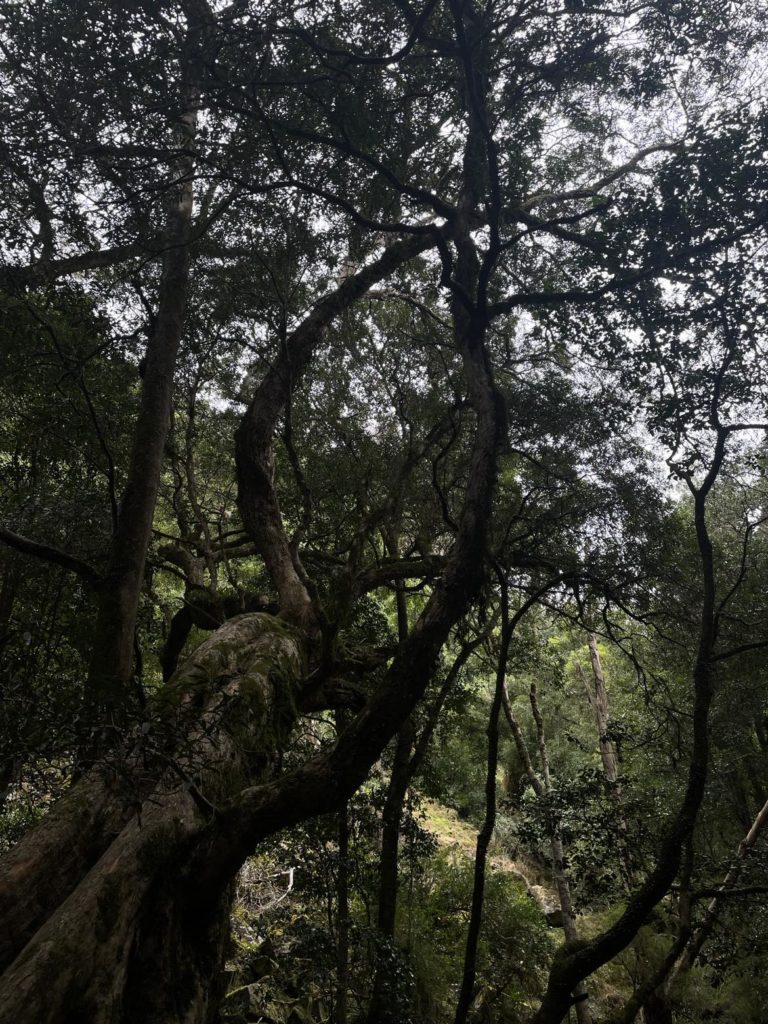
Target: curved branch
(49, 270)
(254, 453)
(50, 554)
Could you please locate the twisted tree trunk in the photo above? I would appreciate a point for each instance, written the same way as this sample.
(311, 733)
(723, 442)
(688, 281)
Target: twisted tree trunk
(126, 943)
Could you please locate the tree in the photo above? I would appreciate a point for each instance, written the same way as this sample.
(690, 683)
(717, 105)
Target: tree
(493, 242)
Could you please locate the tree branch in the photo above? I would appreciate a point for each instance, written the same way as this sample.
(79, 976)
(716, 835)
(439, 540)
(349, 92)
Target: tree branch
(50, 554)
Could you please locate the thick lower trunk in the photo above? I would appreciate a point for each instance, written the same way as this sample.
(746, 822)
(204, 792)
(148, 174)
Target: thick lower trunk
(176, 969)
(129, 939)
(657, 1010)
(72, 836)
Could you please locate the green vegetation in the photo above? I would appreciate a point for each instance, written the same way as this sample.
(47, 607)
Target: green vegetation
(383, 512)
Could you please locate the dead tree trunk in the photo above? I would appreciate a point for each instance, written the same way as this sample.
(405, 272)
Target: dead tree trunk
(597, 694)
(598, 699)
(652, 997)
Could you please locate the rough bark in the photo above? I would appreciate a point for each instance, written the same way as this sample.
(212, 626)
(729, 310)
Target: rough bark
(39, 872)
(206, 611)
(323, 782)
(124, 945)
(211, 851)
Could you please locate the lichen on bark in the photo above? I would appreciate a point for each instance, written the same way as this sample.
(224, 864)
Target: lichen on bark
(235, 696)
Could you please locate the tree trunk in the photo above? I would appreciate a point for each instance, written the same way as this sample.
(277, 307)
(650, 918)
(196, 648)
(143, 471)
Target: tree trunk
(181, 847)
(111, 663)
(180, 852)
(597, 694)
(598, 698)
(656, 1009)
(130, 942)
(342, 919)
(484, 836)
(559, 869)
(500, 700)
(9, 585)
(401, 778)
(573, 965)
(704, 930)
(384, 998)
